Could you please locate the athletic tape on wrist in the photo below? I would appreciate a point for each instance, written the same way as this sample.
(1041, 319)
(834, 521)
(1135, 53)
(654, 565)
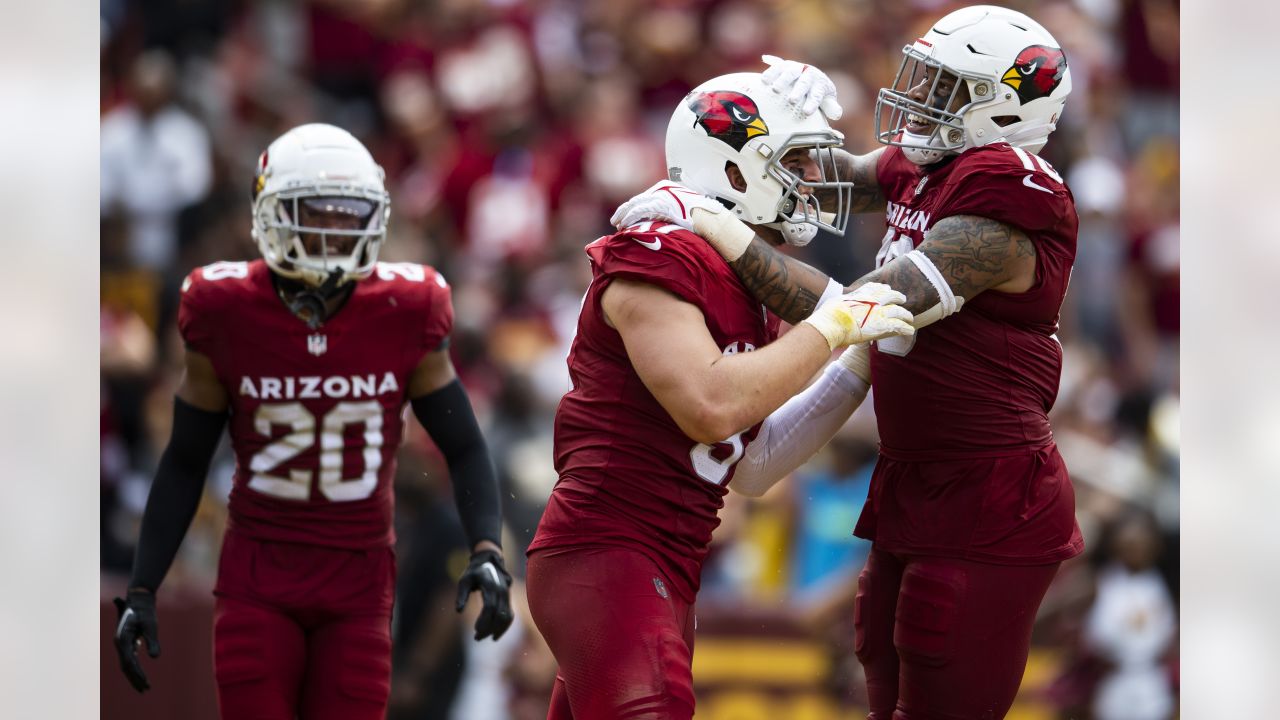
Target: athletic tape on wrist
(857, 360)
(726, 233)
(834, 290)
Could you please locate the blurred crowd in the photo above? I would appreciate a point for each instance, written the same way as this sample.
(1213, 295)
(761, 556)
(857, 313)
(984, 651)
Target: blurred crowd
(510, 130)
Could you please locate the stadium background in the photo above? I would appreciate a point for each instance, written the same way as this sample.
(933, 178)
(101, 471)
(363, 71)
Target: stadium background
(509, 131)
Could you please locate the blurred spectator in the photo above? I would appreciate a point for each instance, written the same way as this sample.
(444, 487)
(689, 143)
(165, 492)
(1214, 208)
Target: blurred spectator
(155, 162)
(1132, 626)
(128, 350)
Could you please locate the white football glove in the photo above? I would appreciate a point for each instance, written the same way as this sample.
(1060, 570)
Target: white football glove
(871, 312)
(664, 200)
(672, 202)
(805, 86)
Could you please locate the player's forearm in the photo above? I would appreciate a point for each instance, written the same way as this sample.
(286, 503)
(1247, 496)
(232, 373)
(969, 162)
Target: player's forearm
(791, 289)
(742, 389)
(448, 418)
(785, 285)
(905, 277)
(961, 257)
(175, 492)
(861, 169)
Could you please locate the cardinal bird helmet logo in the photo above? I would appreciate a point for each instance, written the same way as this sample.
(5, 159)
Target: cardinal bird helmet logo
(1036, 72)
(730, 117)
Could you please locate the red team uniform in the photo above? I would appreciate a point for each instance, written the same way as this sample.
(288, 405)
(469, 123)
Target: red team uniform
(306, 577)
(970, 508)
(615, 564)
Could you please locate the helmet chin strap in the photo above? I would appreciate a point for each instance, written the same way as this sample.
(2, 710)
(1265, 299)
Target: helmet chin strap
(919, 150)
(796, 234)
(311, 303)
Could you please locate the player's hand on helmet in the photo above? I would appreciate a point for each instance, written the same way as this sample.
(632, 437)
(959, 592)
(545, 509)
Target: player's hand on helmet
(136, 624)
(871, 312)
(487, 574)
(666, 201)
(805, 86)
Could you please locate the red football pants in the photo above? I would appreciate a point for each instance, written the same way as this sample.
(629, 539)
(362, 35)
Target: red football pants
(302, 632)
(623, 640)
(944, 639)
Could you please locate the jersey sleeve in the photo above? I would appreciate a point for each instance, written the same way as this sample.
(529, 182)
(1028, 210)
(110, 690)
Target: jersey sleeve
(439, 312)
(1013, 187)
(661, 259)
(197, 313)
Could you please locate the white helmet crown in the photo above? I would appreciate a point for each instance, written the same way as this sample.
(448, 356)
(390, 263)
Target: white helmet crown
(1015, 74)
(318, 162)
(737, 119)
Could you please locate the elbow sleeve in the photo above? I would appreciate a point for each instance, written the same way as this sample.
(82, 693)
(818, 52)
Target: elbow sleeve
(447, 417)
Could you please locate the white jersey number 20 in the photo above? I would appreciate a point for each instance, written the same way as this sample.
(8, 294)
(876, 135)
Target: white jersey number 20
(302, 425)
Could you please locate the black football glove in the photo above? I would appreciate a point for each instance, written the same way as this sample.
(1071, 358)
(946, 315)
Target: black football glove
(487, 574)
(137, 622)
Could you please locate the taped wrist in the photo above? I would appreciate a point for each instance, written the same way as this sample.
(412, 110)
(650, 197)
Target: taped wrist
(834, 290)
(857, 360)
(176, 490)
(726, 233)
(448, 418)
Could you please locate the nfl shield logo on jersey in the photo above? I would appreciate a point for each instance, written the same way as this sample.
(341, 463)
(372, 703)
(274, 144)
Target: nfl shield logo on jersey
(317, 344)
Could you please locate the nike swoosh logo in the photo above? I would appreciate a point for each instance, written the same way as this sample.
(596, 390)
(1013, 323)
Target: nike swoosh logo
(656, 244)
(1027, 181)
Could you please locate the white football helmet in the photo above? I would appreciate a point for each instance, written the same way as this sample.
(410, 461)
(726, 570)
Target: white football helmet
(1009, 80)
(325, 168)
(738, 119)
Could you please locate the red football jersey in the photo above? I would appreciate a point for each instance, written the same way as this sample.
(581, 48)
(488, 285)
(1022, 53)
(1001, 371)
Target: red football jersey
(979, 384)
(628, 474)
(316, 415)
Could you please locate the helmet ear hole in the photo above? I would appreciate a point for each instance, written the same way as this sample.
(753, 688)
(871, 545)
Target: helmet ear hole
(1006, 120)
(736, 179)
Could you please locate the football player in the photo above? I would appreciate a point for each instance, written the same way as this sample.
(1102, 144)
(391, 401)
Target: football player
(678, 392)
(970, 509)
(310, 355)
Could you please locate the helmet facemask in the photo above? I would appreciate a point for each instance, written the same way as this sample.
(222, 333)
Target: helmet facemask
(943, 111)
(361, 214)
(800, 210)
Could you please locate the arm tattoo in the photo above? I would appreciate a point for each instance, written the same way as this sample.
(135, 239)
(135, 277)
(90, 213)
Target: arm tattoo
(861, 169)
(788, 287)
(976, 253)
(902, 275)
(972, 253)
